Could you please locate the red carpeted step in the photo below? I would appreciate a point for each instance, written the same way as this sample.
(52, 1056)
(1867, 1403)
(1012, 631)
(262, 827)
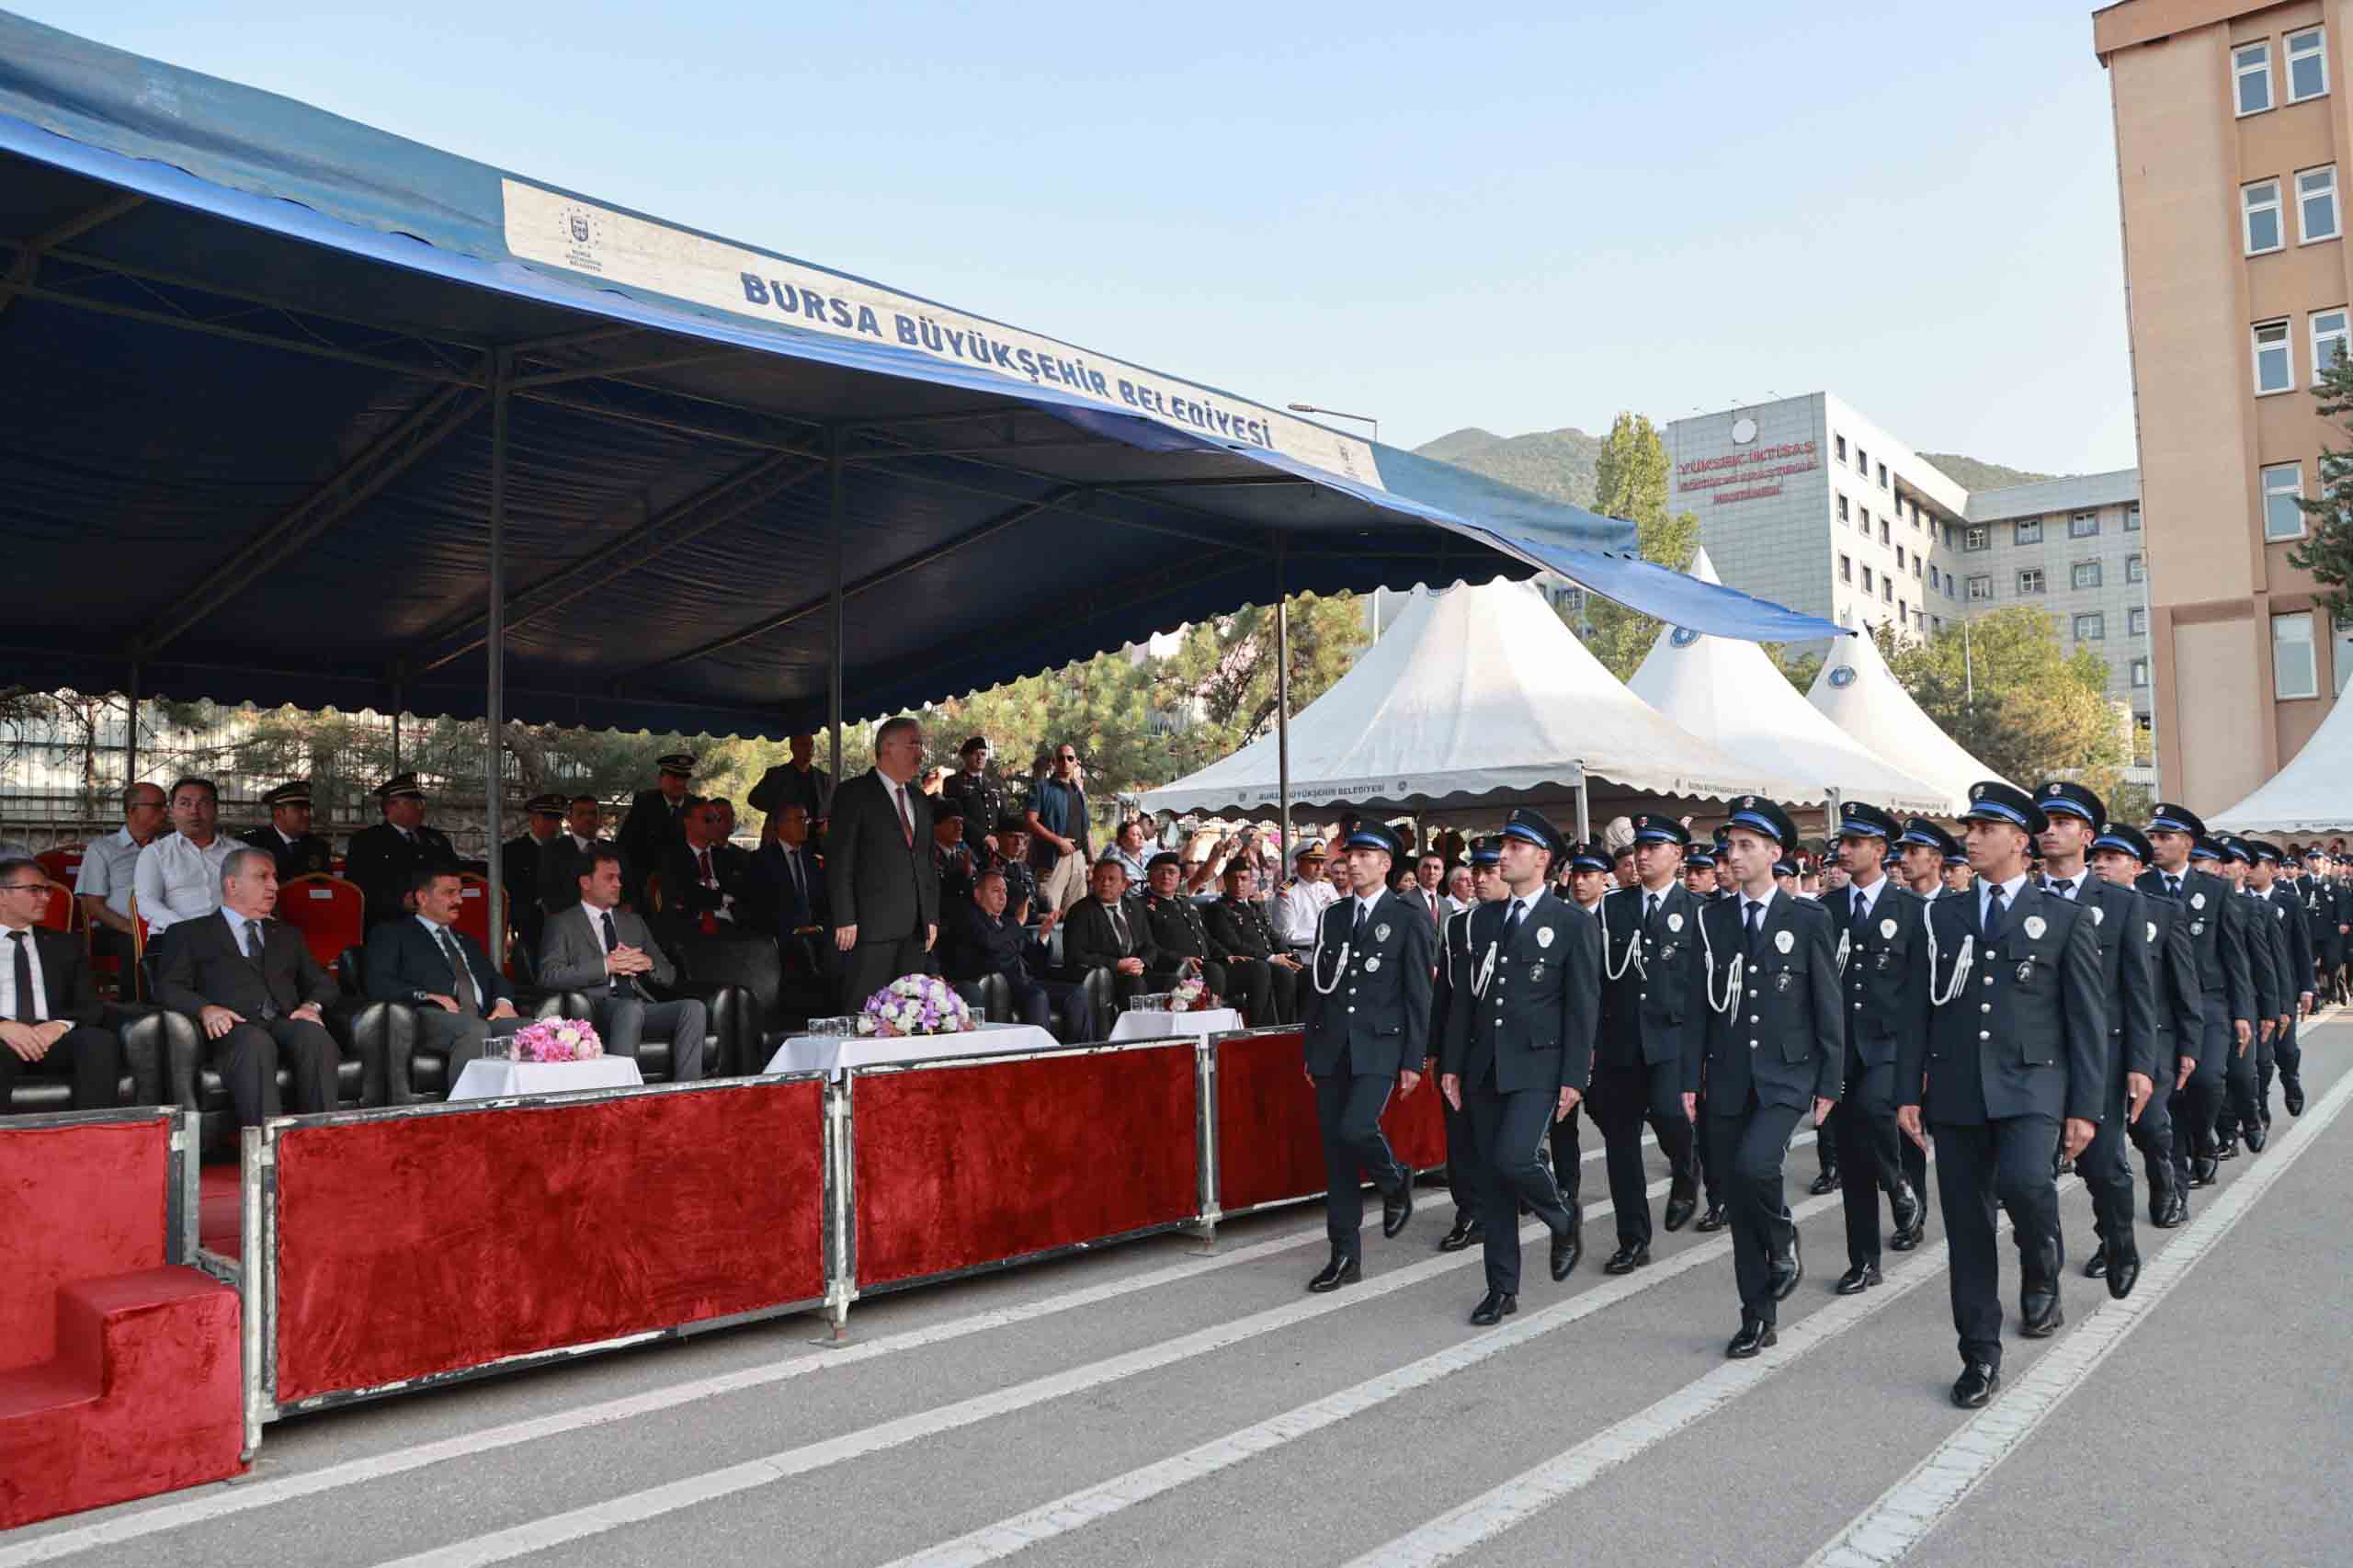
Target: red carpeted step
(218, 1211)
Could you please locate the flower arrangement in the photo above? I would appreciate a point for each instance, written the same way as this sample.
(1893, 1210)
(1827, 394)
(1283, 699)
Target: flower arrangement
(917, 1004)
(558, 1040)
(1190, 996)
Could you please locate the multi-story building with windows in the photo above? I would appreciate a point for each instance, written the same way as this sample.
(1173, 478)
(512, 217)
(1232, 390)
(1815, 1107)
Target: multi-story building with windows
(2231, 128)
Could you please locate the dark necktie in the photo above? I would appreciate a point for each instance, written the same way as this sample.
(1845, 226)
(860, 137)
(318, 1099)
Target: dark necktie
(1994, 914)
(622, 984)
(1650, 915)
(1355, 933)
(1511, 922)
(1119, 926)
(253, 951)
(25, 1010)
(2064, 890)
(1755, 921)
(801, 888)
(1862, 911)
(469, 999)
(907, 821)
(2173, 885)
(702, 859)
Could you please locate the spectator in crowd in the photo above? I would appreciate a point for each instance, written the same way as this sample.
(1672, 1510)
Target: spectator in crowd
(597, 948)
(251, 984)
(460, 998)
(952, 860)
(1103, 931)
(982, 937)
(704, 887)
(287, 835)
(656, 820)
(1058, 840)
(564, 858)
(178, 875)
(1621, 864)
(878, 871)
(1130, 849)
(1264, 973)
(1187, 949)
(799, 782)
(109, 865)
(982, 797)
(1011, 856)
(1298, 911)
(934, 781)
(384, 859)
(520, 864)
(792, 889)
(726, 845)
(50, 1010)
(1458, 890)
(1406, 884)
(1429, 887)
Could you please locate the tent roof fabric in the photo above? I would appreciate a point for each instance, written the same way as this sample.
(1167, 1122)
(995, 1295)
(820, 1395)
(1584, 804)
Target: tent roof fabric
(255, 357)
(2314, 794)
(1729, 693)
(1474, 695)
(1858, 693)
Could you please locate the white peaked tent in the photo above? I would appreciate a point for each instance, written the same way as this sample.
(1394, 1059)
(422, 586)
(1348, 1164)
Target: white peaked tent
(1862, 696)
(1729, 692)
(1471, 695)
(2312, 795)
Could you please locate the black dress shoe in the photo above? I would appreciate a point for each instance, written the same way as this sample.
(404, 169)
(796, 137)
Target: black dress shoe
(1860, 1279)
(1466, 1231)
(1679, 1210)
(1625, 1260)
(1493, 1308)
(2255, 1136)
(2039, 1312)
(1753, 1336)
(2177, 1211)
(2203, 1171)
(1395, 1212)
(1713, 1219)
(1338, 1272)
(2123, 1272)
(1977, 1384)
(2292, 1091)
(1788, 1271)
(1908, 1209)
(2096, 1266)
(1569, 1244)
(2228, 1149)
(1826, 1182)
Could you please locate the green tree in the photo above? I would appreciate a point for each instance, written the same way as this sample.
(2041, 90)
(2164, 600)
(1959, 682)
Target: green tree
(1217, 691)
(2014, 700)
(1629, 482)
(2327, 550)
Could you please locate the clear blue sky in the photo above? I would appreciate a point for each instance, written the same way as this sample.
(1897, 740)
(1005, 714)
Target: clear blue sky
(1520, 217)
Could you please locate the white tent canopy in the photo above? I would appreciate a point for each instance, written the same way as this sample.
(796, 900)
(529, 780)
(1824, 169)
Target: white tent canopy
(1861, 695)
(2312, 795)
(1472, 694)
(1729, 692)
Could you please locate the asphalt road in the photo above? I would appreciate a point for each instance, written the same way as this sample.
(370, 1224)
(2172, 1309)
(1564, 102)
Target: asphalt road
(1150, 1404)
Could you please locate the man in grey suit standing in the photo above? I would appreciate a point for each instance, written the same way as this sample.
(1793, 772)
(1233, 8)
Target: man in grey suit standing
(879, 871)
(595, 946)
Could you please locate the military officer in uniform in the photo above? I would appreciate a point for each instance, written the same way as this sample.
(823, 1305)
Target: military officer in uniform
(2176, 1020)
(2256, 931)
(2296, 945)
(1366, 1019)
(1299, 903)
(287, 835)
(1883, 963)
(1450, 1017)
(1650, 1023)
(1179, 931)
(1524, 1055)
(656, 821)
(2012, 1063)
(1237, 926)
(519, 864)
(385, 860)
(983, 797)
(1773, 1049)
(2072, 816)
(2226, 993)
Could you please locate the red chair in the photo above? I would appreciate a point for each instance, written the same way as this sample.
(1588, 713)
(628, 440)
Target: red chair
(61, 863)
(473, 914)
(331, 913)
(62, 912)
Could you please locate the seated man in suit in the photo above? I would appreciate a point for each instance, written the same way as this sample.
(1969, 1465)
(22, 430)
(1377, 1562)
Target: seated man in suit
(788, 884)
(461, 999)
(1104, 930)
(983, 938)
(705, 886)
(251, 983)
(49, 1008)
(600, 949)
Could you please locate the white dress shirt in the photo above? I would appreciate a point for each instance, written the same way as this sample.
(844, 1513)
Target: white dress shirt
(2010, 890)
(178, 882)
(108, 867)
(8, 976)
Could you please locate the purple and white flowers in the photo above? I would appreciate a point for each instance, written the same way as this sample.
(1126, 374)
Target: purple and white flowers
(558, 1040)
(917, 1004)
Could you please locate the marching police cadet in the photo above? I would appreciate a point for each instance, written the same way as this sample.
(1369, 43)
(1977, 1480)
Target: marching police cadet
(2120, 918)
(1524, 1058)
(2176, 1020)
(1179, 931)
(1920, 857)
(1698, 871)
(1450, 1020)
(383, 858)
(2296, 943)
(1367, 1016)
(2267, 977)
(2012, 1063)
(1237, 924)
(1650, 1023)
(2177, 837)
(287, 835)
(1882, 963)
(2319, 899)
(1700, 879)
(1959, 877)
(1773, 1048)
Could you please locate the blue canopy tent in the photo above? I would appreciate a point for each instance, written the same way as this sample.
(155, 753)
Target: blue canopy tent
(300, 412)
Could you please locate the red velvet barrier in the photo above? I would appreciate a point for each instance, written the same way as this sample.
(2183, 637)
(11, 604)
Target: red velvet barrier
(993, 1160)
(220, 1209)
(76, 1203)
(1268, 1146)
(413, 1245)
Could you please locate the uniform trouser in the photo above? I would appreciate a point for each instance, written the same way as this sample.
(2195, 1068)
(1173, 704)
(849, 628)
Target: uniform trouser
(2106, 1167)
(91, 1056)
(1870, 1154)
(1348, 1112)
(1979, 1164)
(1268, 992)
(2288, 1054)
(2153, 1136)
(2199, 1103)
(1624, 1099)
(2239, 1108)
(1748, 1146)
(1703, 1151)
(249, 1055)
(1915, 1167)
(1508, 1132)
(1568, 1158)
(1462, 1163)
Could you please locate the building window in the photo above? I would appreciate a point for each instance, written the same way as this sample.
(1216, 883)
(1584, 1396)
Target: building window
(2083, 574)
(1887, 590)
(2134, 571)
(1867, 579)
(1978, 538)
(1866, 513)
(2294, 671)
(2083, 525)
(1862, 462)
(2316, 205)
(1882, 468)
(1899, 558)
(2026, 532)
(2140, 674)
(1842, 447)
(2092, 628)
(2030, 580)
(2136, 623)
(2307, 65)
(2283, 487)
(2251, 66)
(1981, 589)
(2132, 519)
(2260, 217)
(1915, 565)
(2329, 341)
(1882, 530)
(2275, 368)
(1842, 509)
(1933, 580)
(2341, 653)
(1846, 568)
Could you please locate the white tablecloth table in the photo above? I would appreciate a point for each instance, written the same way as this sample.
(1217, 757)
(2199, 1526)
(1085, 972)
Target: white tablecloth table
(488, 1078)
(828, 1054)
(1199, 1022)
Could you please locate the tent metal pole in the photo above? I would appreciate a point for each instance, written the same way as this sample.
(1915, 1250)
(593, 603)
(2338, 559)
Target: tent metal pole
(1832, 809)
(399, 701)
(1282, 701)
(494, 656)
(130, 736)
(1584, 806)
(835, 507)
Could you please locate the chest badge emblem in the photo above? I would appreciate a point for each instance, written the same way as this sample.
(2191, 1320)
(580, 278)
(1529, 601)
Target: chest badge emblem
(1544, 936)
(1783, 942)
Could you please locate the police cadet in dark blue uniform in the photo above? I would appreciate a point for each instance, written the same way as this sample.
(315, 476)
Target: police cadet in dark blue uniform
(1700, 879)
(2267, 978)
(1527, 1056)
(1774, 1050)
(1449, 1018)
(1650, 1020)
(2013, 1063)
(2183, 876)
(2176, 1019)
(2119, 924)
(2296, 948)
(1365, 1018)
(1883, 952)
